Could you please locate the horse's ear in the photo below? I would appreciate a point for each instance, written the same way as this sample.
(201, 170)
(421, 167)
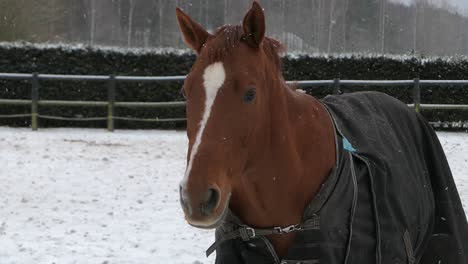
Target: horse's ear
(254, 25)
(194, 34)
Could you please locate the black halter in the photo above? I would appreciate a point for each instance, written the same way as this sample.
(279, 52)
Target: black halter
(247, 233)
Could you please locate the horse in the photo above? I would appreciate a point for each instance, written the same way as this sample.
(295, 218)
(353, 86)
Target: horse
(287, 178)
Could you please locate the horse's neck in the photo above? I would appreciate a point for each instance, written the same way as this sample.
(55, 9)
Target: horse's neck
(297, 158)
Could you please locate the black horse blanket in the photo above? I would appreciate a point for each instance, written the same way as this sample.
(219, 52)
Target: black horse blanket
(391, 197)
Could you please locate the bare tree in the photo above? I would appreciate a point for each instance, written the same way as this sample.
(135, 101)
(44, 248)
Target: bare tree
(382, 21)
(283, 19)
(160, 24)
(119, 12)
(226, 10)
(415, 26)
(130, 23)
(435, 26)
(345, 28)
(319, 23)
(92, 30)
(10, 21)
(89, 14)
(331, 24)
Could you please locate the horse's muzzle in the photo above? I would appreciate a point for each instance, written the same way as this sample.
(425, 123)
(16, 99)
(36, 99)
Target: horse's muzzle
(200, 209)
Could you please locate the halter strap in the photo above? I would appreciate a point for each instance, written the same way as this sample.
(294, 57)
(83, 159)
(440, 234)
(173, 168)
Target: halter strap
(247, 233)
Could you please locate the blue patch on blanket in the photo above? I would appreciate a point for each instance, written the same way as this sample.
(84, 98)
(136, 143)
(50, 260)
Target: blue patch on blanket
(347, 145)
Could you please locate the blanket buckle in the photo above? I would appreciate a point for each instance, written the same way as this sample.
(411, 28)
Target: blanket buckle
(288, 229)
(250, 232)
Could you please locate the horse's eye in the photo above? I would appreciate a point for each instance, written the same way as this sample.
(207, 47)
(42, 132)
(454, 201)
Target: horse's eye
(249, 96)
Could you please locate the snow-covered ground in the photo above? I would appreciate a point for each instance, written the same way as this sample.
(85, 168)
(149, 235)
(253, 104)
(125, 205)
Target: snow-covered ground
(90, 196)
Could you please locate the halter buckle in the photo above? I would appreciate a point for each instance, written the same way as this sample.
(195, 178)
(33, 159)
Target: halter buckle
(250, 232)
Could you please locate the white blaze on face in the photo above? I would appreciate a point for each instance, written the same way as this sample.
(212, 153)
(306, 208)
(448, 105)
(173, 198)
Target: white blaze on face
(213, 79)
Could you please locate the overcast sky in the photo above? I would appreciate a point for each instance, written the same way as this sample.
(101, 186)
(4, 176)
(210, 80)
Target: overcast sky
(462, 5)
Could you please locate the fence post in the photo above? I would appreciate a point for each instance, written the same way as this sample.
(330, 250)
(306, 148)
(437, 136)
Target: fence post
(34, 101)
(417, 95)
(336, 86)
(110, 107)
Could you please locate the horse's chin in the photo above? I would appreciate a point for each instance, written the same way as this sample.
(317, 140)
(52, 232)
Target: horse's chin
(212, 224)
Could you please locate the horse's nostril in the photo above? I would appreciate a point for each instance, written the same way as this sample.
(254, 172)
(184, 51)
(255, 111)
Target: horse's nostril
(211, 201)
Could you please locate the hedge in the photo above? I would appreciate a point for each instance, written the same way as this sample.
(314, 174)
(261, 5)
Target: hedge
(61, 59)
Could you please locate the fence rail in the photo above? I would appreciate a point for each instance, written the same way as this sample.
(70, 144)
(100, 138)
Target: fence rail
(112, 81)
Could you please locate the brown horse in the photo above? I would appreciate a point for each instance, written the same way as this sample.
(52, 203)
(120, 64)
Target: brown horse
(254, 142)
(258, 148)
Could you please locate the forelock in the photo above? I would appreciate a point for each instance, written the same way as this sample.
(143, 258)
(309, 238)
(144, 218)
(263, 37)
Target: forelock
(228, 37)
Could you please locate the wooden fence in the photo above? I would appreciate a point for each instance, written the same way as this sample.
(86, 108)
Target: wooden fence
(112, 81)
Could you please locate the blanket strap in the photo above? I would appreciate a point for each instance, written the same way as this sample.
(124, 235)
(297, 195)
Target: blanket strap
(247, 233)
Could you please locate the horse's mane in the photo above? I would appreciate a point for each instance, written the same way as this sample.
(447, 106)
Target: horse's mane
(230, 36)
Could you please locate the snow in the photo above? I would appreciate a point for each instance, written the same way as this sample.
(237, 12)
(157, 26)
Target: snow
(91, 196)
(95, 48)
(456, 149)
(180, 52)
(369, 55)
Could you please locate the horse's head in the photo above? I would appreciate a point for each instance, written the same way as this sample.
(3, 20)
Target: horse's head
(227, 104)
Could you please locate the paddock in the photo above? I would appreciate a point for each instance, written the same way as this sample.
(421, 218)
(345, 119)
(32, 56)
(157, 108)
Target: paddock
(87, 195)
